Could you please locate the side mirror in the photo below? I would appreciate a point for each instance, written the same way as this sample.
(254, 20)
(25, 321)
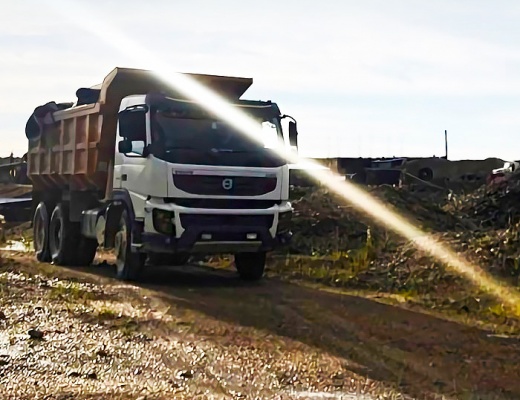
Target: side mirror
(293, 134)
(132, 123)
(125, 146)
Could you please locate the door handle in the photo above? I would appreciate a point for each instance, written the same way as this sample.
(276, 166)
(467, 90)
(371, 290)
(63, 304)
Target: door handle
(124, 177)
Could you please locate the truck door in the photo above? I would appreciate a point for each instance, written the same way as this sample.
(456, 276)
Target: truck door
(135, 171)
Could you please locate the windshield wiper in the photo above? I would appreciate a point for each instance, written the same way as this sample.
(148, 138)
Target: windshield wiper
(215, 150)
(181, 148)
(246, 151)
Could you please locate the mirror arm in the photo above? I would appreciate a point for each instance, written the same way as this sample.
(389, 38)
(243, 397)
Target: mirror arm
(287, 116)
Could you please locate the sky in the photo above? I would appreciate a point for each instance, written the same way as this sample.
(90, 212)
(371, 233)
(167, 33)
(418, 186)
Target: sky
(371, 78)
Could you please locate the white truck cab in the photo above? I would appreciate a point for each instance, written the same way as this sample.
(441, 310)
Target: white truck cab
(199, 185)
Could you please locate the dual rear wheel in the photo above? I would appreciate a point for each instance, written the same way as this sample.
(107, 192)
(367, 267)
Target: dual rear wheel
(59, 240)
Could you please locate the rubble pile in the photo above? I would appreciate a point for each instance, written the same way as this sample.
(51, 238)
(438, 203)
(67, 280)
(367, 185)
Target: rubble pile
(492, 206)
(346, 248)
(324, 223)
(320, 214)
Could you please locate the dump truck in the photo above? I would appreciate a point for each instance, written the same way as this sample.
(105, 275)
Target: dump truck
(136, 166)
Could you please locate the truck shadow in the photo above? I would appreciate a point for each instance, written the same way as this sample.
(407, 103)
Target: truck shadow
(418, 352)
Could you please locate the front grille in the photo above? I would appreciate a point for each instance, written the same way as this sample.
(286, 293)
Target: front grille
(235, 204)
(215, 185)
(198, 220)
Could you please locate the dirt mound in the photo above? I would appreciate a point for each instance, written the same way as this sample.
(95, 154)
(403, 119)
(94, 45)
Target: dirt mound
(494, 206)
(323, 223)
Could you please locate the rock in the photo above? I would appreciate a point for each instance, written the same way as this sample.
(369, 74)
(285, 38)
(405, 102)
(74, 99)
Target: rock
(92, 375)
(35, 334)
(102, 353)
(186, 374)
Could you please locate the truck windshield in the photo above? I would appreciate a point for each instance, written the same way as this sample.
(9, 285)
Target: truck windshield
(193, 137)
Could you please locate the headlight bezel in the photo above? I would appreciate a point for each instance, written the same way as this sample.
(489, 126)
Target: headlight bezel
(284, 222)
(163, 221)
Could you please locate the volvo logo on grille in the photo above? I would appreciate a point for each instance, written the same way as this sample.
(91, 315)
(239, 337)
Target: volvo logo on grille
(227, 183)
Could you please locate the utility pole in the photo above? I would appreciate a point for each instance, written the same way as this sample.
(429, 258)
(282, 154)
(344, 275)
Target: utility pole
(446, 143)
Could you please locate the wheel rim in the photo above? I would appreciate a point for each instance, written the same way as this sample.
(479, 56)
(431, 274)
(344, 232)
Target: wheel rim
(56, 236)
(39, 233)
(120, 247)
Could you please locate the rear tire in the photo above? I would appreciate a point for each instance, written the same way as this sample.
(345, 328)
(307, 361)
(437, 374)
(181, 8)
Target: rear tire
(63, 237)
(41, 233)
(250, 266)
(129, 265)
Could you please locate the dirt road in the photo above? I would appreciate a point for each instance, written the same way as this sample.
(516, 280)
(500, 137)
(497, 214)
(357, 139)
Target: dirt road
(218, 337)
(385, 343)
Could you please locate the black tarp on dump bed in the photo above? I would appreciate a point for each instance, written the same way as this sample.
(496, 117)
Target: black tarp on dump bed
(41, 116)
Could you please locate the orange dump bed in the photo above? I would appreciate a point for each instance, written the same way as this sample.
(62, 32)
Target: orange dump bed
(75, 150)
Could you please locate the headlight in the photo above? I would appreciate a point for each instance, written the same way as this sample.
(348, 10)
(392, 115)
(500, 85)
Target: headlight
(163, 221)
(284, 222)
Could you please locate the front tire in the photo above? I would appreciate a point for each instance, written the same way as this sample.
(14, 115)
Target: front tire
(250, 266)
(41, 233)
(129, 265)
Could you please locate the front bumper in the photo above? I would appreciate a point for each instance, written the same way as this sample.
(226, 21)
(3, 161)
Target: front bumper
(213, 231)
